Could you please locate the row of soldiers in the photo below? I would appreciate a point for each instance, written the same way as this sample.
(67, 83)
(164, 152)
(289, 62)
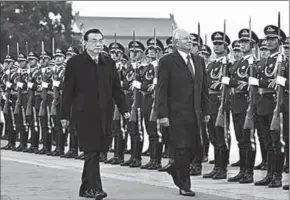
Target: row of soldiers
(33, 90)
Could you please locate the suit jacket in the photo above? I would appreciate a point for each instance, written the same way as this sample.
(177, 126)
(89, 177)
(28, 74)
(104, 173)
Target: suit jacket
(92, 88)
(182, 98)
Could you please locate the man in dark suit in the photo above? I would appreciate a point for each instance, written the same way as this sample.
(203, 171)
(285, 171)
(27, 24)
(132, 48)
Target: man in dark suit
(91, 83)
(182, 98)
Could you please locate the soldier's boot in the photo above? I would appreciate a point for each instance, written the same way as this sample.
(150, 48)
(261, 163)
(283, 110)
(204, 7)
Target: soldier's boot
(82, 157)
(20, 146)
(205, 153)
(279, 158)
(103, 156)
(138, 146)
(222, 165)
(119, 151)
(286, 187)
(13, 140)
(44, 135)
(165, 154)
(250, 163)
(215, 168)
(151, 149)
(9, 145)
(147, 151)
(62, 141)
(196, 169)
(126, 150)
(269, 176)
(30, 147)
(41, 141)
(72, 152)
(286, 166)
(157, 155)
(35, 141)
(115, 152)
(130, 160)
(241, 173)
(263, 164)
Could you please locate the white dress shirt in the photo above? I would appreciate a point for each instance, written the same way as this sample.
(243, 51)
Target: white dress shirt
(184, 56)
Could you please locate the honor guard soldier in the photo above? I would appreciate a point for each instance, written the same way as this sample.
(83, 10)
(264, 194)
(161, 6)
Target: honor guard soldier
(46, 100)
(205, 52)
(73, 143)
(238, 81)
(105, 50)
(218, 138)
(7, 66)
(286, 107)
(237, 54)
(10, 99)
(21, 102)
(146, 86)
(196, 165)
(57, 76)
(266, 81)
(264, 52)
(116, 51)
(136, 50)
(169, 43)
(33, 100)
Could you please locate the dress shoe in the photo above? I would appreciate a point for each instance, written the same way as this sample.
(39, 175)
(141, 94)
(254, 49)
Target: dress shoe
(154, 166)
(221, 174)
(117, 161)
(136, 163)
(20, 148)
(127, 163)
(211, 162)
(110, 160)
(13, 148)
(88, 194)
(69, 154)
(236, 164)
(265, 181)
(7, 147)
(286, 187)
(210, 174)
(276, 182)
(187, 193)
(236, 178)
(146, 165)
(100, 195)
(164, 168)
(17, 148)
(195, 171)
(248, 178)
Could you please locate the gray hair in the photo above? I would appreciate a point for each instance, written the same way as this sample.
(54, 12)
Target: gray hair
(178, 32)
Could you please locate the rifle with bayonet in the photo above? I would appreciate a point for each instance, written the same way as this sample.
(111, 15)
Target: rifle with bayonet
(277, 119)
(222, 120)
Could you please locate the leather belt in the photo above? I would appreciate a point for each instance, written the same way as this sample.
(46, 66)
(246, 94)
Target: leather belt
(146, 93)
(128, 92)
(239, 91)
(266, 91)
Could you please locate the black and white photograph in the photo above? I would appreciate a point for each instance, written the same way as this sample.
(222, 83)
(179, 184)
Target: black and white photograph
(144, 100)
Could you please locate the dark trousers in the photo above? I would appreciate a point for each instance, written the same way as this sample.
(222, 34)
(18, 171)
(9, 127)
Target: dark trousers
(91, 178)
(180, 171)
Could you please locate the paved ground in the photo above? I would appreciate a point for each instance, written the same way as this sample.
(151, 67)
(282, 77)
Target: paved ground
(35, 177)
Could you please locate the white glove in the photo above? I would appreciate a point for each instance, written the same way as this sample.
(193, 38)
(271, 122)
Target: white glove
(136, 84)
(253, 81)
(280, 80)
(154, 63)
(155, 81)
(226, 80)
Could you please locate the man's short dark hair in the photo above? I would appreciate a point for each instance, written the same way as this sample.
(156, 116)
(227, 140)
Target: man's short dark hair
(97, 31)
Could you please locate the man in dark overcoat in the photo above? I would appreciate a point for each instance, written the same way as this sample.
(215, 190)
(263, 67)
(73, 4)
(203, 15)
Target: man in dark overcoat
(182, 98)
(91, 83)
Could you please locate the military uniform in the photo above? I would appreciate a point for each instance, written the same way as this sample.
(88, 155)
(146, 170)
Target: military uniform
(57, 76)
(118, 125)
(266, 72)
(73, 144)
(46, 99)
(21, 102)
(217, 136)
(136, 116)
(8, 80)
(146, 86)
(196, 165)
(238, 81)
(33, 101)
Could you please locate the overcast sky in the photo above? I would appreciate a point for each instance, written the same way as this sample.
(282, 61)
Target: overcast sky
(187, 14)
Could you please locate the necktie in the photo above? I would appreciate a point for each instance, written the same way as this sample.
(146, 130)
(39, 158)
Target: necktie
(189, 65)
